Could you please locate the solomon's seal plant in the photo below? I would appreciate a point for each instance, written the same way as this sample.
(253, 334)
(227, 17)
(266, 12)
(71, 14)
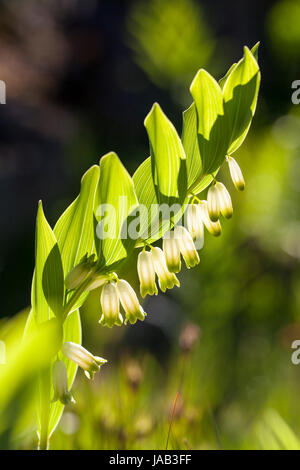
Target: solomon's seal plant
(115, 213)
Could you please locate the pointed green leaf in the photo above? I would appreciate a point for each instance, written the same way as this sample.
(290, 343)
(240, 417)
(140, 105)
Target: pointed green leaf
(240, 97)
(48, 280)
(75, 228)
(222, 80)
(211, 123)
(152, 223)
(196, 181)
(117, 202)
(168, 157)
(254, 51)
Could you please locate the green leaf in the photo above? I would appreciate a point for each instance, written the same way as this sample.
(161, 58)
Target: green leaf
(48, 280)
(240, 97)
(28, 356)
(75, 236)
(222, 80)
(152, 224)
(212, 125)
(117, 203)
(75, 228)
(167, 157)
(254, 51)
(196, 181)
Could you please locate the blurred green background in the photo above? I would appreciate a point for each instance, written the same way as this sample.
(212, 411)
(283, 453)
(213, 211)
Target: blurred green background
(81, 77)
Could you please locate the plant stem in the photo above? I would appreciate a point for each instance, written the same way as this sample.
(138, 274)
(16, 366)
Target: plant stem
(77, 294)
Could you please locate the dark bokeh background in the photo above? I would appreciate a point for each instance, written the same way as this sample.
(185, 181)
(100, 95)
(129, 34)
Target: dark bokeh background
(81, 76)
(75, 91)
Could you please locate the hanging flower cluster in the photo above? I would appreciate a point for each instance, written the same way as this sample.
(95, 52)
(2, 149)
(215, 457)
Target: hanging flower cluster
(153, 264)
(182, 242)
(163, 264)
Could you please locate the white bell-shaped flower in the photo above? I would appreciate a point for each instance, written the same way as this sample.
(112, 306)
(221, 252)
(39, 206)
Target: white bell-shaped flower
(236, 174)
(172, 252)
(166, 279)
(60, 383)
(110, 306)
(130, 303)
(213, 203)
(83, 358)
(146, 274)
(195, 225)
(186, 246)
(225, 200)
(213, 227)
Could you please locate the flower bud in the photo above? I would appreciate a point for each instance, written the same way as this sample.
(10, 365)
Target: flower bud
(186, 246)
(80, 272)
(146, 274)
(171, 252)
(110, 306)
(225, 200)
(166, 279)
(130, 303)
(213, 203)
(76, 276)
(213, 227)
(195, 224)
(83, 358)
(60, 384)
(236, 174)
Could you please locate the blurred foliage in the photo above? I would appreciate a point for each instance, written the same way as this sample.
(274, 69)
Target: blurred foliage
(283, 25)
(170, 41)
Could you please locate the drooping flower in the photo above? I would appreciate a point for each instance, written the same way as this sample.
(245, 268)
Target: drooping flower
(172, 252)
(110, 306)
(236, 173)
(186, 246)
(166, 279)
(195, 224)
(146, 274)
(213, 227)
(213, 203)
(225, 200)
(130, 303)
(80, 272)
(83, 358)
(60, 384)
